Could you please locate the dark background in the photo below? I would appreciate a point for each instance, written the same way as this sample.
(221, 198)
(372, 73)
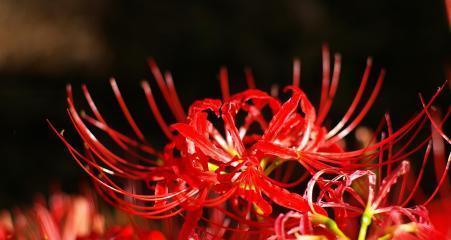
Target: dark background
(46, 44)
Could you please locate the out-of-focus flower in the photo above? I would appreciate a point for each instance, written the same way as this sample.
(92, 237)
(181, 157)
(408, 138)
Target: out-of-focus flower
(243, 157)
(67, 217)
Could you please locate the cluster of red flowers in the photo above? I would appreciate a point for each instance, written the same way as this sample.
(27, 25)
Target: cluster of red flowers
(251, 165)
(69, 217)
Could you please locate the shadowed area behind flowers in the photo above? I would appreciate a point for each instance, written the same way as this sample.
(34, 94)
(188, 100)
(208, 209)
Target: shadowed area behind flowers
(45, 46)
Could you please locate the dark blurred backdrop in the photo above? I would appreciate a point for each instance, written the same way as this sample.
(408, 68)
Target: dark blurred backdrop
(46, 44)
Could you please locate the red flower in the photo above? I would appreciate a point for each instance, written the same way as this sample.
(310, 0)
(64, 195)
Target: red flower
(237, 155)
(381, 206)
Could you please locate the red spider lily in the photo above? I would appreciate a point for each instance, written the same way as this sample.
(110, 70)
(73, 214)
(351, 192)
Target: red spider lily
(231, 156)
(370, 200)
(343, 193)
(66, 217)
(352, 198)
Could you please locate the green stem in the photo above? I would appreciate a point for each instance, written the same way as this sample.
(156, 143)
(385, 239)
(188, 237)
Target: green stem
(263, 162)
(365, 222)
(330, 224)
(385, 237)
(272, 166)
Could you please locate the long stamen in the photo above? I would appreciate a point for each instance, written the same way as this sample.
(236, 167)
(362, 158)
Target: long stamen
(433, 119)
(249, 78)
(296, 72)
(156, 112)
(440, 183)
(179, 112)
(326, 76)
(332, 90)
(363, 112)
(125, 110)
(165, 90)
(99, 116)
(390, 143)
(224, 81)
(420, 175)
(355, 102)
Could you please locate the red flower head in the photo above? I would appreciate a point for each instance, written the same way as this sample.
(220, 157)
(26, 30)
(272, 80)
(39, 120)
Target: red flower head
(365, 207)
(242, 156)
